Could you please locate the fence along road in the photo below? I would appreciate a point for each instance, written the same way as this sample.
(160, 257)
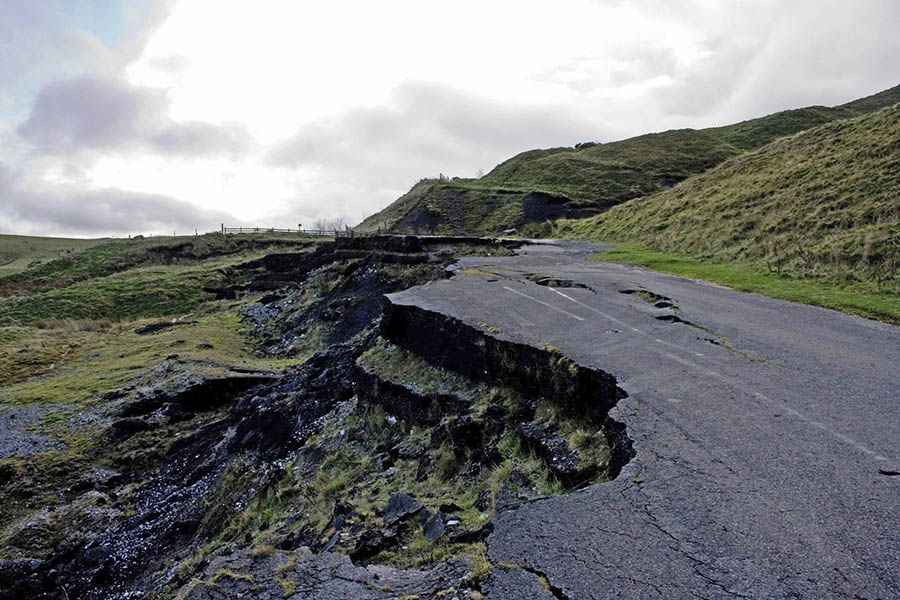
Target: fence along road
(310, 232)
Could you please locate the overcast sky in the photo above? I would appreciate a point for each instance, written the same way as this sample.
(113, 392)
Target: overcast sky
(141, 116)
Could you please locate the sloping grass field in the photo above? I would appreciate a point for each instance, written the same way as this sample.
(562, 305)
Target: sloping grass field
(822, 204)
(68, 326)
(597, 176)
(21, 252)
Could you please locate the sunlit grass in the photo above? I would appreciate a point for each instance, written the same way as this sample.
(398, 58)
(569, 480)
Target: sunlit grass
(821, 205)
(76, 362)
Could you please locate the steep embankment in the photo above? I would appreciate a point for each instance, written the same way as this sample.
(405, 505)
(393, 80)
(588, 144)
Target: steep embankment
(539, 185)
(465, 207)
(822, 202)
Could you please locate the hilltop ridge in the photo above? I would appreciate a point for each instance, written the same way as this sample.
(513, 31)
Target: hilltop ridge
(821, 202)
(536, 186)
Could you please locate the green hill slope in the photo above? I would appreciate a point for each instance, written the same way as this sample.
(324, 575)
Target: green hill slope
(540, 185)
(824, 202)
(18, 252)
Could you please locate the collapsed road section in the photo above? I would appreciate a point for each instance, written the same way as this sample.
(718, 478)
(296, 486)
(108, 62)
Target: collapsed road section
(458, 433)
(764, 434)
(375, 468)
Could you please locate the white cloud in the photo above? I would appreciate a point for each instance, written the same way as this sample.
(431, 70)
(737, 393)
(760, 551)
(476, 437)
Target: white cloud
(299, 110)
(94, 114)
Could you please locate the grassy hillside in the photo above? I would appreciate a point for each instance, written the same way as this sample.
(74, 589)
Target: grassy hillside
(540, 185)
(129, 279)
(19, 252)
(824, 203)
(101, 258)
(469, 206)
(68, 326)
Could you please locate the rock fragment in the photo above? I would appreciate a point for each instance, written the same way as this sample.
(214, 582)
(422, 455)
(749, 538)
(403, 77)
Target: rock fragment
(400, 506)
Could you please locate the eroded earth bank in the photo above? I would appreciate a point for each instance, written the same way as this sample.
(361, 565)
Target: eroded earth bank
(374, 466)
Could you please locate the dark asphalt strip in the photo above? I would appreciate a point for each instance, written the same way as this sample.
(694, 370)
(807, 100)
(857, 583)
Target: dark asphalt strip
(737, 386)
(765, 438)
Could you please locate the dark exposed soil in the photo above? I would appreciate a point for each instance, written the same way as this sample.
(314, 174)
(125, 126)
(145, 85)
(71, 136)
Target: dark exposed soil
(338, 478)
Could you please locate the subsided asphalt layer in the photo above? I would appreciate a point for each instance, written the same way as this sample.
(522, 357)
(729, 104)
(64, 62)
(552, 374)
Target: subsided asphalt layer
(767, 436)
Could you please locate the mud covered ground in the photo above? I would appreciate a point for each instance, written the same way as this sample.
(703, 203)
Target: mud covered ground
(293, 436)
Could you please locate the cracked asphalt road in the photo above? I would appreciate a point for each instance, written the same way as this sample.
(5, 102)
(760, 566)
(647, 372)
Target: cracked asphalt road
(763, 431)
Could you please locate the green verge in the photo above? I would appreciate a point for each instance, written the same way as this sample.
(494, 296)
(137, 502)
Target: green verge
(860, 299)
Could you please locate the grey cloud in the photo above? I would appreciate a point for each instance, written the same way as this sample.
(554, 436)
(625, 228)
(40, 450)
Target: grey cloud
(824, 52)
(141, 20)
(711, 82)
(39, 44)
(625, 65)
(200, 139)
(367, 157)
(774, 56)
(471, 120)
(40, 208)
(642, 62)
(756, 58)
(36, 47)
(430, 126)
(65, 86)
(91, 114)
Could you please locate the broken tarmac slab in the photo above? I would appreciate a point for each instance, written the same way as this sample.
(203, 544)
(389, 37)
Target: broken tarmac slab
(512, 582)
(399, 507)
(767, 479)
(485, 356)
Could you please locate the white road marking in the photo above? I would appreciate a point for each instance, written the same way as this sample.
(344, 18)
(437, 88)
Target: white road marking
(542, 303)
(519, 318)
(598, 311)
(737, 385)
(819, 425)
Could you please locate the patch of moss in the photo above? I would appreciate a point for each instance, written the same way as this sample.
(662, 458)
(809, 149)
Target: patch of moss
(232, 575)
(393, 363)
(76, 362)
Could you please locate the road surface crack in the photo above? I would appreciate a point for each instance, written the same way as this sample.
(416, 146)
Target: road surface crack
(557, 592)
